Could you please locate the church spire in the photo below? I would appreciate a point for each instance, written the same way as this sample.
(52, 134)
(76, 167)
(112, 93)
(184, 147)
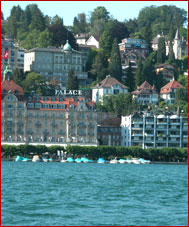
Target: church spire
(176, 35)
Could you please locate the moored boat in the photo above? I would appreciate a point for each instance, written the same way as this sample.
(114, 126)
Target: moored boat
(101, 160)
(113, 161)
(70, 159)
(36, 158)
(122, 161)
(143, 161)
(78, 160)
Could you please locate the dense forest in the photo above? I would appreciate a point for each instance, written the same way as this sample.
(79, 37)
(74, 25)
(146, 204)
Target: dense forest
(31, 28)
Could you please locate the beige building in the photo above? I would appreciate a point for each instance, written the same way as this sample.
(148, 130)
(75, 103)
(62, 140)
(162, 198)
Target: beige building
(56, 62)
(45, 120)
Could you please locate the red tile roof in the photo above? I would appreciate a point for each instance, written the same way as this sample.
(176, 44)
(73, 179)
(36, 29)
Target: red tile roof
(144, 88)
(173, 84)
(10, 85)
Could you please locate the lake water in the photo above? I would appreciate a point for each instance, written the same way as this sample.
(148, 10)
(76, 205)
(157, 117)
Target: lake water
(73, 194)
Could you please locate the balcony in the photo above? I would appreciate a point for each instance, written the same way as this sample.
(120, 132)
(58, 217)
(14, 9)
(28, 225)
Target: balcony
(161, 127)
(185, 128)
(149, 127)
(150, 122)
(149, 134)
(174, 128)
(175, 122)
(174, 135)
(162, 123)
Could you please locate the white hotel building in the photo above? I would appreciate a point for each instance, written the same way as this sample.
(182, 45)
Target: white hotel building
(159, 131)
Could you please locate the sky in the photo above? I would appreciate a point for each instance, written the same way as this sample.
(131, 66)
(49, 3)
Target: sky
(67, 10)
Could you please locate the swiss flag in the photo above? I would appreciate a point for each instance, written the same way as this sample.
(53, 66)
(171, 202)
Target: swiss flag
(6, 54)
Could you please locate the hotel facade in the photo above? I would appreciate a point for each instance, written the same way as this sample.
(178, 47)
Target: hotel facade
(45, 120)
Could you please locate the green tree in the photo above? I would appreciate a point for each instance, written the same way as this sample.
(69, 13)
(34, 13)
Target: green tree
(108, 103)
(34, 82)
(132, 25)
(161, 52)
(148, 35)
(60, 34)
(91, 57)
(139, 78)
(72, 82)
(130, 81)
(31, 40)
(118, 30)
(159, 81)
(57, 20)
(99, 13)
(181, 95)
(115, 68)
(148, 72)
(18, 76)
(99, 67)
(98, 27)
(2, 16)
(37, 18)
(105, 43)
(80, 24)
(184, 63)
(171, 56)
(45, 39)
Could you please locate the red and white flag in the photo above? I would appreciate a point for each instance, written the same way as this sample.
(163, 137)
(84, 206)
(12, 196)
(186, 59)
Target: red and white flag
(6, 54)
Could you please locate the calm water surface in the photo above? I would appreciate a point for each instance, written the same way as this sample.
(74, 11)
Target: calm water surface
(68, 194)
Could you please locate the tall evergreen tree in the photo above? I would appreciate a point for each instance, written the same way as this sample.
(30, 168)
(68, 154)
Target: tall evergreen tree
(99, 67)
(148, 35)
(115, 68)
(2, 16)
(161, 52)
(139, 79)
(171, 56)
(72, 82)
(105, 43)
(130, 81)
(148, 72)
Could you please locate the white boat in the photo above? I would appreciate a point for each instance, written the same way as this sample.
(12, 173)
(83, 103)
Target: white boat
(128, 161)
(122, 161)
(63, 160)
(135, 161)
(36, 158)
(113, 161)
(143, 161)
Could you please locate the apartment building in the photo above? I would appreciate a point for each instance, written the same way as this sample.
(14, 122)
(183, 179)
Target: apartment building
(16, 55)
(154, 131)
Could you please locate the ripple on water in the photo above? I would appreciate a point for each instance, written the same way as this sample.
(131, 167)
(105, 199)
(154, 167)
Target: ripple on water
(56, 194)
